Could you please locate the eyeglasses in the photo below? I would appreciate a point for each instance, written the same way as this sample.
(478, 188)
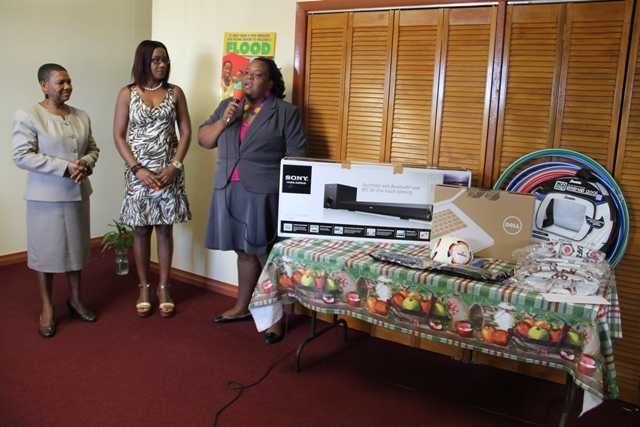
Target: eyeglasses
(159, 60)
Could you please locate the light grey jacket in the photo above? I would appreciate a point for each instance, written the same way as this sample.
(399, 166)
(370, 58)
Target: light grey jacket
(44, 144)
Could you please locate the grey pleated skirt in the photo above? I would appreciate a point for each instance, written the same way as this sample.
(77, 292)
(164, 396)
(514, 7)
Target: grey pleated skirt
(58, 236)
(242, 220)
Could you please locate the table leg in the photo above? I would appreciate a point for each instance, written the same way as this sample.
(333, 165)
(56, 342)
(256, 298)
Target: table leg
(314, 334)
(569, 395)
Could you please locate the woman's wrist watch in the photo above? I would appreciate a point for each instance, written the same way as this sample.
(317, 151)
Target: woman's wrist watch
(176, 164)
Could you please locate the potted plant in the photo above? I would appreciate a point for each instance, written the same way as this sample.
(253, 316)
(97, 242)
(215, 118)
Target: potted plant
(119, 240)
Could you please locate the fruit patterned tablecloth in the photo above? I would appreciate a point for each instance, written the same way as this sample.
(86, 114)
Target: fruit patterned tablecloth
(340, 277)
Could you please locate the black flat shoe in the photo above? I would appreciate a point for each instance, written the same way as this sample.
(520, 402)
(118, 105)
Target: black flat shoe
(220, 319)
(271, 338)
(87, 317)
(48, 331)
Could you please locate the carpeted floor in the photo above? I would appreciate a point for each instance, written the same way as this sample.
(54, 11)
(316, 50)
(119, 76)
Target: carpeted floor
(127, 371)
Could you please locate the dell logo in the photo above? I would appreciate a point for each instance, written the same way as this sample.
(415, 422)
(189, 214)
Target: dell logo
(296, 178)
(512, 225)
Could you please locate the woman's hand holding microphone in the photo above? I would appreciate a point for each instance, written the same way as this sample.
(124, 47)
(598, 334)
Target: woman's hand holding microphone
(231, 111)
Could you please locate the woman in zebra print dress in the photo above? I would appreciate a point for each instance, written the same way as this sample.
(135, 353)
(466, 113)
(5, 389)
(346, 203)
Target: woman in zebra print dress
(145, 136)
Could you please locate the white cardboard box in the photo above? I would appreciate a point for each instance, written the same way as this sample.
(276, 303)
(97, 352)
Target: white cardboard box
(359, 201)
(493, 222)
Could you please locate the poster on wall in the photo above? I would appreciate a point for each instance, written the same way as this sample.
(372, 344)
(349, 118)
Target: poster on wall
(239, 49)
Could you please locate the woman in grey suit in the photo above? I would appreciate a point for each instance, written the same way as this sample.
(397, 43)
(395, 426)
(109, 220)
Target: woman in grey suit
(252, 136)
(54, 143)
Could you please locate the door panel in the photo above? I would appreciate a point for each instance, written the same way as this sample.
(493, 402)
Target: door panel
(413, 91)
(594, 56)
(530, 75)
(464, 91)
(325, 84)
(369, 58)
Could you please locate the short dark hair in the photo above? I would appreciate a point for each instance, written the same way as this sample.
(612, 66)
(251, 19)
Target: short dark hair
(46, 71)
(275, 75)
(141, 70)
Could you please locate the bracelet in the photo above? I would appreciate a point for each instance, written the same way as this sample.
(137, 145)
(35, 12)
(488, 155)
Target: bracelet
(135, 168)
(176, 164)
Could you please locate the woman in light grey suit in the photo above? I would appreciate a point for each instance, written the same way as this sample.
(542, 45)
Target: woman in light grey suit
(252, 136)
(54, 143)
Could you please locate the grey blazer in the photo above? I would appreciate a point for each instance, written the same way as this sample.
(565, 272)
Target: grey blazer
(276, 132)
(44, 144)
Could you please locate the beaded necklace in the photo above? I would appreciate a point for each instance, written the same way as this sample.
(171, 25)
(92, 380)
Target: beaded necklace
(250, 111)
(152, 88)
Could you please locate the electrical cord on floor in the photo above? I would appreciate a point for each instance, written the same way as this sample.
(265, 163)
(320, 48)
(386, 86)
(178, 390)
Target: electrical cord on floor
(235, 385)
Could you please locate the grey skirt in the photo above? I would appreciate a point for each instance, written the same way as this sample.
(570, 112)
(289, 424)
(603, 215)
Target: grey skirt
(242, 220)
(58, 236)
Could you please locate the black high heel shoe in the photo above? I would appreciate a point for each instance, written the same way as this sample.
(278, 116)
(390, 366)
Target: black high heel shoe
(48, 331)
(87, 317)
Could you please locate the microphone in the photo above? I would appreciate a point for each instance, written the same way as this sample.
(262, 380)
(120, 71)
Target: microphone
(238, 96)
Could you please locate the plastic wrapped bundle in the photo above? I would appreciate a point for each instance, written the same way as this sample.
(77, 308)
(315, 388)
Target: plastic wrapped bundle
(559, 267)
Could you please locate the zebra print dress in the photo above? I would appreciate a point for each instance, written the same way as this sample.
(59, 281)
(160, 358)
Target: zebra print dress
(153, 140)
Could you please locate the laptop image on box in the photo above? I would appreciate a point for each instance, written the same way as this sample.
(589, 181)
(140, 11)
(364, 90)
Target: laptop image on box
(449, 219)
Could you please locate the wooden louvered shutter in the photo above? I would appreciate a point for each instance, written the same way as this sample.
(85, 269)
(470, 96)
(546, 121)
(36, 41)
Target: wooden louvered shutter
(627, 175)
(369, 52)
(326, 39)
(413, 91)
(531, 70)
(625, 351)
(465, 88)
(594, 54)
(627, 172)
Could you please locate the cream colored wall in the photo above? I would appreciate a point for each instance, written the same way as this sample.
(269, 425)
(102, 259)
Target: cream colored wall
(193, 31)
(95, 41)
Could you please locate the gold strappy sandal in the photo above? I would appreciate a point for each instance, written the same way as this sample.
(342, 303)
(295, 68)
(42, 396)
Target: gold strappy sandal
(167, 309)
(144, 308)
